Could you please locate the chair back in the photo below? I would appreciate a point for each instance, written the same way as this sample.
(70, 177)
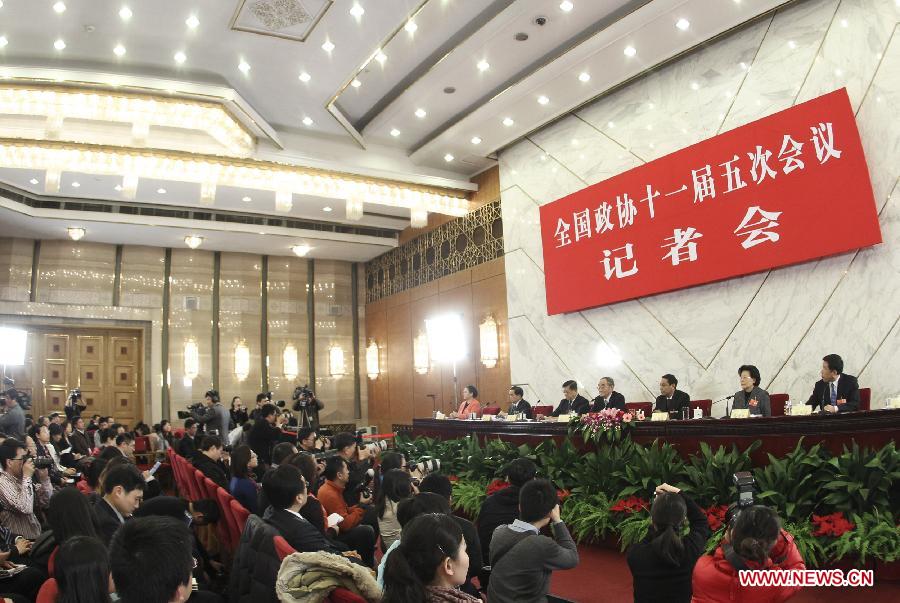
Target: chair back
(49, 592)
(240, 514)
(647, 407)
(51, 561)
(491, 410)
(865, 398)
(541, 410)
(282, 547)
(777, 402)
(209, 488)
(227, 520)
(704, 405)
(342, 595)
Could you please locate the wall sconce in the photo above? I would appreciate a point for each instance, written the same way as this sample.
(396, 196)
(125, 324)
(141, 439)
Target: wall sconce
(490, 345)
(421, 360)
(336, 361)
(241, 360)
(372, 368)
(191, 359)
(289, 363)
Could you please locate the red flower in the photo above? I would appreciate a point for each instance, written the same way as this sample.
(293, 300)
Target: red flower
(834, 525)
(497, 484)
(562, 495)
(453, 479)
(715, 516)
(630, 505)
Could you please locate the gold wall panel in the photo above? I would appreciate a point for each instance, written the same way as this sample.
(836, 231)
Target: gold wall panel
(56, 373)
(124, 349)
(90, 349)
(57, 347)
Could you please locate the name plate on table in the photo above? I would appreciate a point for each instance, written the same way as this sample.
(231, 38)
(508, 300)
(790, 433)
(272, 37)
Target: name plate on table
(740, 413)
(514, 417)
(659, 416)
(487, 417)
(801, 410)
(440, 415)
(563, 418)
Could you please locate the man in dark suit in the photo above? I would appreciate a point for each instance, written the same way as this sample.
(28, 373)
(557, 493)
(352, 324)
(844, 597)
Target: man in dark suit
(123, 491)
(265, 433)
(209, 461)
(187, 445)
(835, 392)
(517, 404)
(78, 440)
(671, 399)
(572, 402)
(608, 398)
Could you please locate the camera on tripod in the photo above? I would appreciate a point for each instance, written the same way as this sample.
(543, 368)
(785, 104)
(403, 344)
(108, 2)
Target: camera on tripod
(302, 397)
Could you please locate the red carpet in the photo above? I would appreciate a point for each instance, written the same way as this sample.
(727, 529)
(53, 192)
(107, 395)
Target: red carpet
(603, 575)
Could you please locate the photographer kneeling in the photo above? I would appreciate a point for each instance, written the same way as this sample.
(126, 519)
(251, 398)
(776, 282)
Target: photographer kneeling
(351, 531)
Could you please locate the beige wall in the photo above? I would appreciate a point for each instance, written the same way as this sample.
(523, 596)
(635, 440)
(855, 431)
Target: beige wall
(75, 286)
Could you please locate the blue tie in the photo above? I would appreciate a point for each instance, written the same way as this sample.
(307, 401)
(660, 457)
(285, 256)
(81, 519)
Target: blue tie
(833, 393)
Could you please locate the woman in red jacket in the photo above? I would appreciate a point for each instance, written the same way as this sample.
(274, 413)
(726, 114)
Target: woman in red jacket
(754, 541)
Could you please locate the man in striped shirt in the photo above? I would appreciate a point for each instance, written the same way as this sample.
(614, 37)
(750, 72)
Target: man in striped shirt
(20, 492)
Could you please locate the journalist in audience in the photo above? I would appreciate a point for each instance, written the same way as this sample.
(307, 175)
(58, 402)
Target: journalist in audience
(69, 515)
(12, 422)
(281, 451)
(238, 413)
(27, 582)
(187, 445)
(243, 484)
(151, 561)
(396, 486)
(123, 490)
(22, 490)
(82, 571)
(306, 439)
(359, 537)
(662, 563)
(522, 560)
(265, 433)
(101, 424)
(751, 395)
(502, 507)
(78, 439)
(209, 461)
(313, 510)
(407, 510)
(429, 564)
(753, 540)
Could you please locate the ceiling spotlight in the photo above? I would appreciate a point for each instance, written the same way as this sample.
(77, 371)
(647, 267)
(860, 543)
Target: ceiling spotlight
(395, 132)
(683, 24)
(476, 140)
(125, 13)
(305, 77)
(33, 181)
(420, 113)
(76, 233)
(161, 191)
(584, 76)
(507, 121)
(180, 57)
(380, 57)
(326, 209)
(300, 250)
(59, 7)
(119, 50)
(327, 46)
(118, 188)
(566, 6)
(307, 121)
(543, 100)
(59, 44)
(357, 11)
(246, 199)
(192, 22)
(448, 157)
(411, 27)
(356, 83)
(244, 67)
(3, 41)
(630, 51)
(76, 184)
(483, 65)
(193, 241)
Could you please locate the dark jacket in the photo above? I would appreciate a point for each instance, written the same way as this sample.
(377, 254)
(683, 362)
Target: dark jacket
(654, 580)
(616, 400)
(847, 389)
(522, 563)
(473, 549)
(679, 400)
(578, 406)
(106, 522)
(187, 446)
(299, 533)
(763, 406)
(498, 509)
(256, 564)
(214, 417)
(216, 471)
(521, 407)
(261, 438)
(79, 443)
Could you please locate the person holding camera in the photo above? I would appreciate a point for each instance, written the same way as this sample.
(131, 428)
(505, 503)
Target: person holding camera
(209, 461)
(19, 494)
(662, 563)
(213, 416)
(754, 540)
(352, 531)
(306, 403)
(265, 433)
(238, 413)
(12, 422)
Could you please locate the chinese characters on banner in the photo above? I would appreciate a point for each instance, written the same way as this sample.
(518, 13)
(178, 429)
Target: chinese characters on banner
(787, 188)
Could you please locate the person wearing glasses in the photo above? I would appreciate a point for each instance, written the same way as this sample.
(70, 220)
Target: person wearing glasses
(20, 492)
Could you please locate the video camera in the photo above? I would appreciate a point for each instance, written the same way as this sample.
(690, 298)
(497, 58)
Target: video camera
(23, 399)
(302, 397)
(186, 414)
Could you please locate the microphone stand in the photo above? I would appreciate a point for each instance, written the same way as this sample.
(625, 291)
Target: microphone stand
(727, 409)
(433, 403)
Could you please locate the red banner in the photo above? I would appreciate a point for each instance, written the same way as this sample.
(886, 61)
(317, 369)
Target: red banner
(781, 190)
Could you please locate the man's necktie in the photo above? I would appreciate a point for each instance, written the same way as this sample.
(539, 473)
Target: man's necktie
(833, 393)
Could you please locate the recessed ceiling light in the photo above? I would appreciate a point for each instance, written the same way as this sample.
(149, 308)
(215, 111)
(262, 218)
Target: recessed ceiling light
(60, 7)
(356, 83)
(307, 121)
(125, 13)
(380, 57)
(246, 199)
(395, 132)
(76, 233)
(543, 100)
(566, 6)
(448, 157)
(420, 113)
(59, 44)
(357, 11)
(507, 121)
(327, 46)
(76, 184)
(483, 65)
(161, 191)
(192, 21)
(193, 241)
(300, 250)
(630, 51)
(304, 77)
(584, 76)
(326, 209)
(411, 27)
(118, 188)
(682, 24)
(180, 57)
(3, 41)
(33, 181)
(119, 50)
(695, 86)
(244, 67)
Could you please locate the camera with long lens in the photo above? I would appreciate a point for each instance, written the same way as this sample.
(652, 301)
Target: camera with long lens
(376, 447)
(427, 465)
(75, 398)
(302, 397)
(43, 462)
(360, 485)
(746, 487)
(186, 414)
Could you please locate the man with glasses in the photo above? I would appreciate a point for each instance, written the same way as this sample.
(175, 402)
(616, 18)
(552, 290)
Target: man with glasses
(19, 495)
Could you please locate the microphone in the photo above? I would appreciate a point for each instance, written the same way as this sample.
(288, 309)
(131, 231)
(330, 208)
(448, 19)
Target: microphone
(725, 399)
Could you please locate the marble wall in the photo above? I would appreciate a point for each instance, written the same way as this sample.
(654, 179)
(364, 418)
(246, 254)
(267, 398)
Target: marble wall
(784, 320)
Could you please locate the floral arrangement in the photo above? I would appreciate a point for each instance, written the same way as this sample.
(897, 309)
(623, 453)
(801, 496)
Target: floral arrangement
(715, 516)
(607, 425)
(497, 485)
(632, 504)
(833, 525)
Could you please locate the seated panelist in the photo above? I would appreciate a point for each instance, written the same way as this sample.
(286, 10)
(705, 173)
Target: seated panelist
(750, 395)
(608, 398)
(671, 399)
(470, 407)
(572, 402)
(517, 404)
(835, 392)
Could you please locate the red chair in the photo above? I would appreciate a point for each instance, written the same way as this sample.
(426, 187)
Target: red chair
(282, 548)
(51, 562)
(777, 402)
(342, 595)
(142, 453)
(541, 410)
(705, 405)
(491, 410)
(240, 514)
(209, 488)
(198, 483)
(227, 521)
(647, 407)
(865, 398)
(49, 592)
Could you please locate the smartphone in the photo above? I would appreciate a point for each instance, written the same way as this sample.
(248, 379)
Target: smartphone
(155, 467)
